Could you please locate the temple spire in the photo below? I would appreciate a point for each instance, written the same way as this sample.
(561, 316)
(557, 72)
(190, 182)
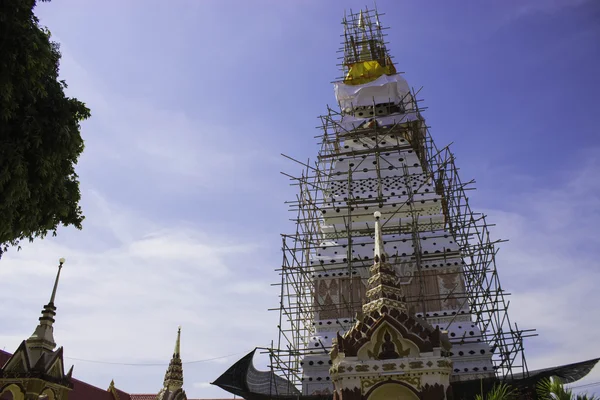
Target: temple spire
(174, 374)
(365, 55)
(364, 48)
(61, 261)
(380, 253)
(43, 337)
(383, 287)
(361, 21)
(178, 341)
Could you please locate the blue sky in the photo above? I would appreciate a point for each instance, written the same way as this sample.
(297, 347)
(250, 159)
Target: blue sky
(192, 103)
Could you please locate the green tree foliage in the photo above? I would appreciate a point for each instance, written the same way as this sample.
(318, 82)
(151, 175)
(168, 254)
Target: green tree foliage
(40, 138)
(553, 389)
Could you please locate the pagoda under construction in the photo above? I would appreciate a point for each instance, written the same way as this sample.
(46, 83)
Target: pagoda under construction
(382, 193)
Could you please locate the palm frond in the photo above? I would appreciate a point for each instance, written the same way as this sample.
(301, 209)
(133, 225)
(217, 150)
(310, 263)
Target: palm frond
(553, 389)
(500, 391)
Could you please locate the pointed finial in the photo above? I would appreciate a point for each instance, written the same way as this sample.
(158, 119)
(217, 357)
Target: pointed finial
(364, 47)
(361, 21)
(380, 254)
(61, 261)
(178, 342)
(174, 376)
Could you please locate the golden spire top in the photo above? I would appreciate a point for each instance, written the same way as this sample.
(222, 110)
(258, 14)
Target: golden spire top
(365, 54)
(361, 21)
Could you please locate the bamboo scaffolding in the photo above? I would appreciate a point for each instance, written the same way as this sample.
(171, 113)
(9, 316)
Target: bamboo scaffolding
(482, 296)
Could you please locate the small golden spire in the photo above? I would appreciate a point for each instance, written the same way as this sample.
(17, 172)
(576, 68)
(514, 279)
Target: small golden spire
(43, 337)
(174, 375)
(361, 21)
(365, 54)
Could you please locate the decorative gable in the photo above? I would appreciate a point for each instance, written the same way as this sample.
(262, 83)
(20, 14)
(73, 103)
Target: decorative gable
(412, 330)
(56, 370)
(387, 343)
(19, 362)
(48, 366)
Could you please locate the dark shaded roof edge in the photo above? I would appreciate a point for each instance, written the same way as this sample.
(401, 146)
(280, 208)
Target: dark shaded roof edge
(234, 379)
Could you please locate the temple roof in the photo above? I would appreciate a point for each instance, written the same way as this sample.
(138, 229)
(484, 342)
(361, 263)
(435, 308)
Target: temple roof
(85, 391)
(81, 390)
(235, 380)
(36, 357)
(242, 379)
(567, 373)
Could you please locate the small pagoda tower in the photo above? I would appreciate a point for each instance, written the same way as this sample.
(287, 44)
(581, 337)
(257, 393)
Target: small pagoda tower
(173, 383)
(35, 370)
(389, 352)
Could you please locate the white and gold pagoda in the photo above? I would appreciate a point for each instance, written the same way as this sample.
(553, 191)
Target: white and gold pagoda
(374, 157)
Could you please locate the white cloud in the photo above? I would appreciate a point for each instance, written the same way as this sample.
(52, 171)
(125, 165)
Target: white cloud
(133, 275)
(123, 303)
(550, 265)
(201, 385)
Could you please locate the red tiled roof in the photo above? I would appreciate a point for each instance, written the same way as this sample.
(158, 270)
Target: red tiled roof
(82, 390)
(122, 395)
(4, 356)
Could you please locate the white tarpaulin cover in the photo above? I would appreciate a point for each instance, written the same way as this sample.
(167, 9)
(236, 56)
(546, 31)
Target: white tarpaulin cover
(386, 88)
